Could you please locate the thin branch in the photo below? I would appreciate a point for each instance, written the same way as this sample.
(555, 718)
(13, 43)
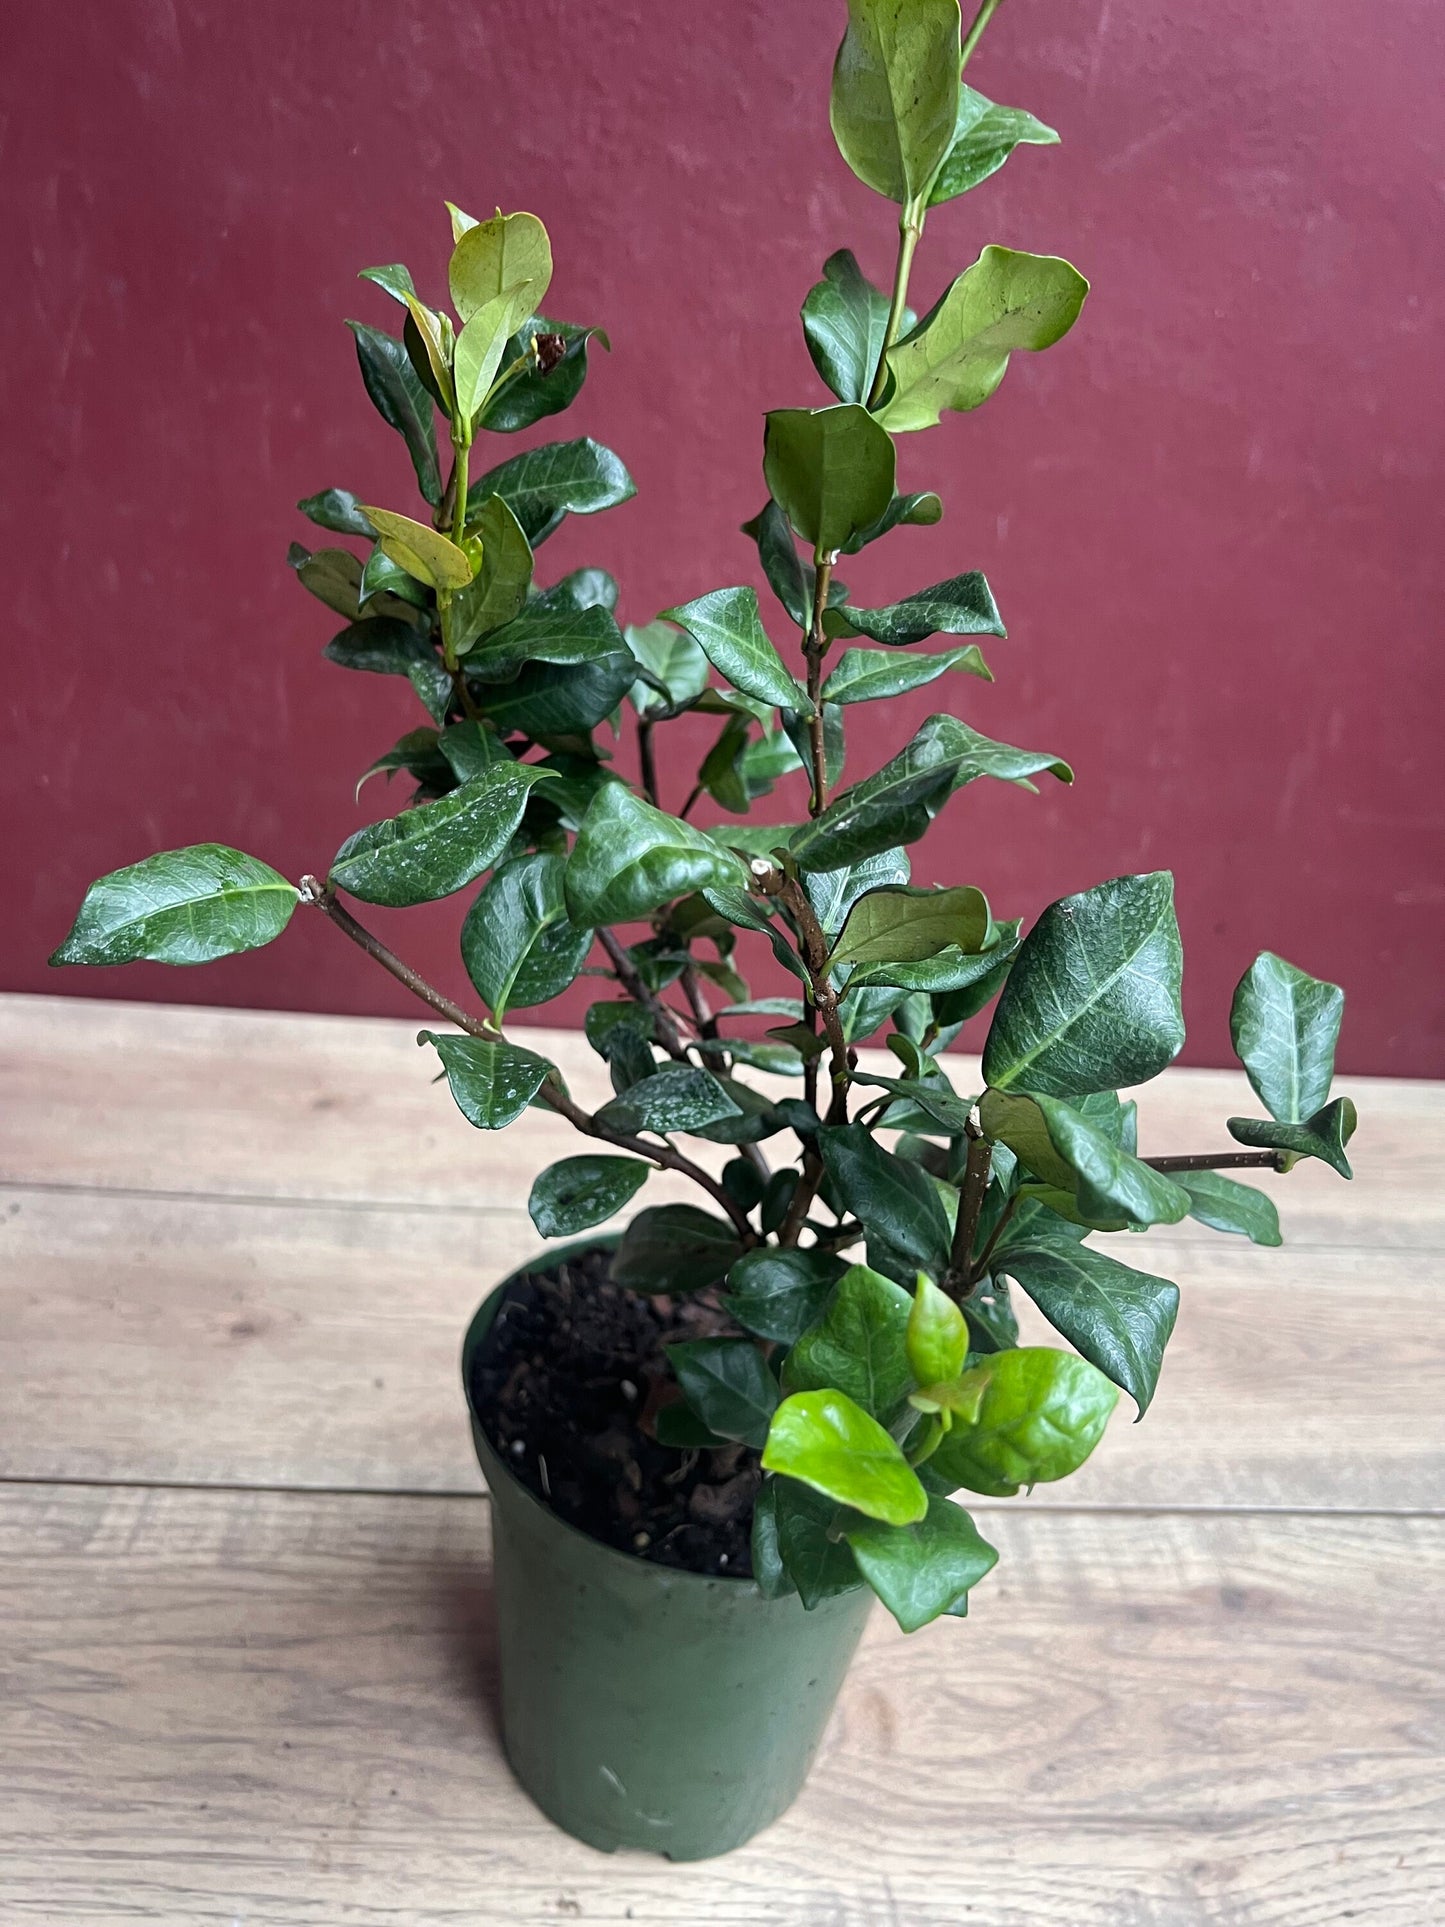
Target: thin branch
(970, 1206)
(693, 795)
(814, 948)
(815, 647)
(975, 33)
(318, 894)
(668, 1034)
(646, 760)
(986, 1255)
(1220, 1161)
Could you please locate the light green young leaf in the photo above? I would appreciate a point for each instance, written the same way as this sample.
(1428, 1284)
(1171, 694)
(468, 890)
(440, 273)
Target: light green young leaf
(1041, 1414)
(728, 629)
(830, 470)
(895, 92)
(844, 320)
(479, 348)
(900, 924)
(180, 907)
(959, 352)
(937, 1335)
(1092, 1000)
(984, 135)
(422, 551)
(858, 1344)
(826, 1441)
(510, 254)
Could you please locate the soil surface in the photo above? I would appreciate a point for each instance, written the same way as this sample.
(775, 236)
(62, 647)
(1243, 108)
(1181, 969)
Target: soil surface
(568, 1380)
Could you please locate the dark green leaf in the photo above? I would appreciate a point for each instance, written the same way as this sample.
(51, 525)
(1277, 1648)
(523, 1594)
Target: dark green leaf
(550, 629)
(630, 859)
(557, 701)
(929, 1095)
(518, 944)
(577, 1193)
(950, 970)
(402, 401)
(819, 1565)
(419, 753)
(962, 606)
(844, 319)
(390, 646)
(833, 893)
(674, 1248)
(493, 1083)
(395, 278)
(728, 1383)
(720, 773)
(1062, 1148)
(339, 510)
(439, 847)
(470, 747)
(1285, 1025)
(830, 470)
(676, 669)
(868, 675)
(895, 92)
(531, 396)
(726, 626)
(1225, 1205)
(826, 1441)
(778, 1293)
(895, 1200)
(1092, 1001)
(676, 1099)
(1120, 1319)
(858, 1345)
(333, 576)
(1323, 1136)
(900, 924)
(180, 907)
(920, 1571)
(792, 580)
(557, 479)
(1041, 1415)
(984, 135)
(917, 510)
(679, 1426)
(769, 1573)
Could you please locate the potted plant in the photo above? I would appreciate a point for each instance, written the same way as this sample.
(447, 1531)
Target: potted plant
(711, 1442)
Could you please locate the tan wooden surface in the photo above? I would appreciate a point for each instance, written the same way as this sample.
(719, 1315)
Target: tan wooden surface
(236, 1250)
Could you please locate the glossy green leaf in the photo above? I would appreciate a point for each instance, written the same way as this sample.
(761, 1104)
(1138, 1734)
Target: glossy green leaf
(1092, 1000)
(1120, 1319)
(778, 1293)
(830, 470)
(815, 1557)
(419, 549)
(962, 606)
(921, 1571)
(389, 646)
(544, 484)
(900, 924)
(734, 903)
(920, 509)
(429, 340)
(577, 1193)
(728, 629)
(844, 321)
(770, 1575)
(672, 660)
(337, 509)
(833, 893)
(859, 1344)
(674, 1248)
(870, 675)
(493, 1083)
(1041, 1415)
(1285, 1025)
(518, 944)
(937, 1335)
(543, 388)
(394, 278)
(678, 1098)
(1061, 1147)
(419, 753)
(895, 92)
(499, 590)
(333, 576)
(402, 401)
(826, 1441)
(897, 803)
(479, 350)
(984, 135)
(510, 254)
(1322, 1136)
(630, 859)
(1225, 1205)
(729, 1384)
(557, 700)
(550, 628)
(930, 1095)
(180, 907)
(383, 580)
(959, 352)
(895, 1200)
(440, 847)
(792, 580)
(949, 971)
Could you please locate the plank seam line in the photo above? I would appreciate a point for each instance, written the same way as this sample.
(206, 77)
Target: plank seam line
(977, 1504)
(293, 1202)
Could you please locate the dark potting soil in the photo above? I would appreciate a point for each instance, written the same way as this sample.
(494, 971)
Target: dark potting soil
(568, 1379)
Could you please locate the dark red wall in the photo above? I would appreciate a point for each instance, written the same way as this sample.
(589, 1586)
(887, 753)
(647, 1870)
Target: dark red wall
(1210, 516)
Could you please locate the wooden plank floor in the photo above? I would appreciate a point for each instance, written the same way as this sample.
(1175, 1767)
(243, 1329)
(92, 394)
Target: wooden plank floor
(244, 1633)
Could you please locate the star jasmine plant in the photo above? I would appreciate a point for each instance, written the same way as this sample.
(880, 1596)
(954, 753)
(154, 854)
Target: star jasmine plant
(865, 1235)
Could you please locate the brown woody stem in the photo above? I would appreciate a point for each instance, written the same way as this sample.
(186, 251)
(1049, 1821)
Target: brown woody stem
(976, 1170)
(1220, 1161)
(815, 647)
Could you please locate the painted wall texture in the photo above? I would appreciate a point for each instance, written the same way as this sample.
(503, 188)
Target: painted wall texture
(1210, 516)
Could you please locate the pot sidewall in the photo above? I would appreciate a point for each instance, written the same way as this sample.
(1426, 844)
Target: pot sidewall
(643, 1706)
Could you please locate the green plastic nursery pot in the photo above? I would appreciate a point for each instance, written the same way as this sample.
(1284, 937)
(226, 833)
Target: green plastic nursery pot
(643, 1706)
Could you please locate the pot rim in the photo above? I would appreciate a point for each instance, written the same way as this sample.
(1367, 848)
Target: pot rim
(476, 1330)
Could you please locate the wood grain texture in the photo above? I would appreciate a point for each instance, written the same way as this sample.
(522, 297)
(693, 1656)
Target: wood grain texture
(255, 1104)
(228, 1341)
(275, 1709)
